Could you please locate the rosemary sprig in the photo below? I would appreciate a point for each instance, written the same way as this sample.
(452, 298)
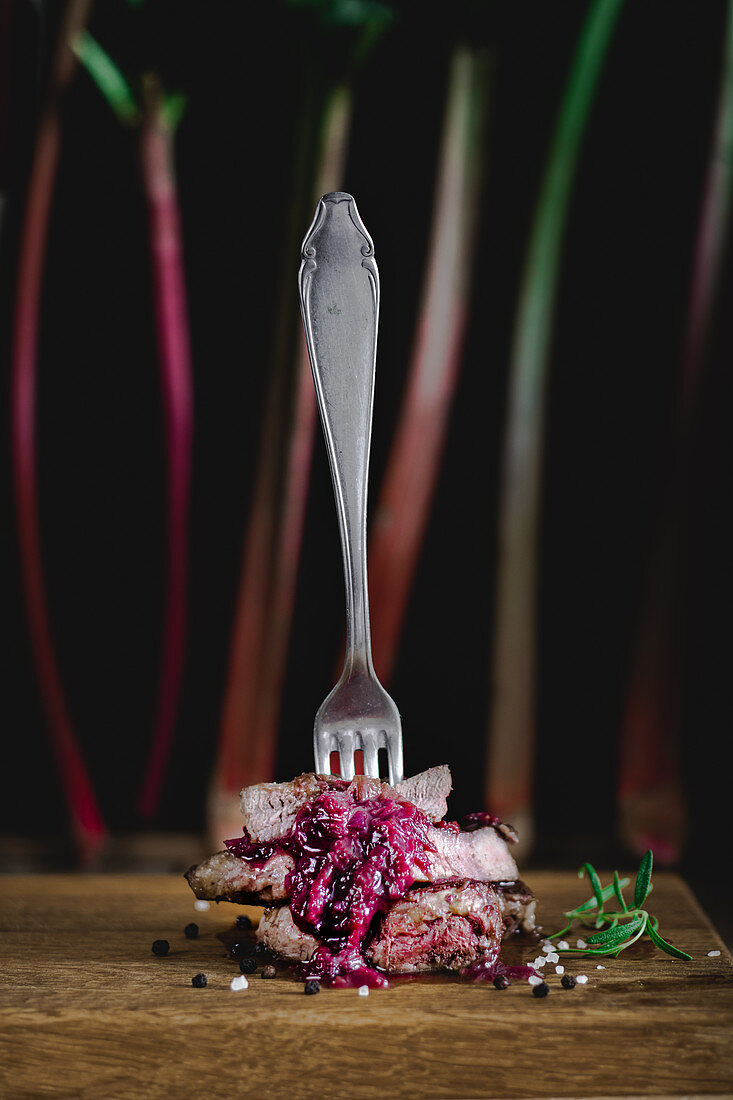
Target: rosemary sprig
(621, 927)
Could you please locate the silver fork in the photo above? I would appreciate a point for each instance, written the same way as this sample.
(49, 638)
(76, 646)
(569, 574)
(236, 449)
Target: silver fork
(339, 300)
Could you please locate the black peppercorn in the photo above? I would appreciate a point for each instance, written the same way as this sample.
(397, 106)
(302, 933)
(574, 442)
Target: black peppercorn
(541, 990)
(567, 981)
(238, 950)
(501, 981)
(161, 948)
(198, 981)
(312, 986)
(191, 931)
(247, 966)
(244, 922)
(269, 972)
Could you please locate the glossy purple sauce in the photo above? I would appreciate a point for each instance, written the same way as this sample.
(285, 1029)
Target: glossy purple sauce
(485, 970)
(354, 854)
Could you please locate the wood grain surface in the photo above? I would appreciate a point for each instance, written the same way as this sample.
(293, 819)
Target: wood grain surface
(87, 1010)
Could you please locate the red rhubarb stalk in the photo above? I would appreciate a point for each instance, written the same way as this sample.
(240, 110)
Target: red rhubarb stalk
(263, 618)
(334, 142)
(408, 488)
(651, 800)
(86, 819)
(174, 352)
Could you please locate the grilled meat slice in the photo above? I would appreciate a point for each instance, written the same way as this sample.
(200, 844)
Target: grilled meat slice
(279, 932)
(428, 791)
(481, 854)
(269, 809)
(226, 877)
(442, 926)
(517, 904)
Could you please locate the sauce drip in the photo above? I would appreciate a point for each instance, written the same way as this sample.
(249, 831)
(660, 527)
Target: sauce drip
(484, 970)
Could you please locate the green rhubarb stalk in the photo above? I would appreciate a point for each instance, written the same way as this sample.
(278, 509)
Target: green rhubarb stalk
(512, 718)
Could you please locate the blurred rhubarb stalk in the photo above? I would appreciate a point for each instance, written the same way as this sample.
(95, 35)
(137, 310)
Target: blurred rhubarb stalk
(86, 820)
(157, 122)
(408, 487)
(160, 118)
(6, 32)
(652, 806)
(261, 630)
(509, 774)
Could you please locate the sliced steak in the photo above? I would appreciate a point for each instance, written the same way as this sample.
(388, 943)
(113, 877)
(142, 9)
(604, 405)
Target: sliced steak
(445, 926)
(269, 809)
(517, 906)
(226, 877)
(279, 932)
(481, 854)
(442, 926)
(429, 791)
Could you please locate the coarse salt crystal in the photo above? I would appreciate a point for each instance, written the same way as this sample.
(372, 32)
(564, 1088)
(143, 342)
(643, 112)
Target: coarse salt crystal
(713, 954)
(559, 969)
(582, 945)
(240, 982)
(547, 947)
(534, 979)
(553, 957)
(581, 979)
(539, 961)
(563, 945)
(363, 991)
(202, 906)
(599, 967)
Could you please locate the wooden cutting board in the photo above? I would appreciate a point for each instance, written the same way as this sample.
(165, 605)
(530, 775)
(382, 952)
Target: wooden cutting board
(87, 1009)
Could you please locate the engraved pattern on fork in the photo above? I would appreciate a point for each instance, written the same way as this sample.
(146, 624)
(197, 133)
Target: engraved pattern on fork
(339, 300)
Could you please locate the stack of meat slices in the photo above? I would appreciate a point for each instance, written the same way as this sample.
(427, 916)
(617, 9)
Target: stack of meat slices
(360, 879)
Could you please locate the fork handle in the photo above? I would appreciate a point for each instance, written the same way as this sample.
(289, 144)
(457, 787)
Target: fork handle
(339, 301)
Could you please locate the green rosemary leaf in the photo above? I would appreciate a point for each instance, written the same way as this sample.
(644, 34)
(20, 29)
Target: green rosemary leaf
(583, 951)
(556, 935)
(595, 882)
(618, 934)
(618, 892)
(643, 879)
(592, 903)
(662, 943)
(622, 927)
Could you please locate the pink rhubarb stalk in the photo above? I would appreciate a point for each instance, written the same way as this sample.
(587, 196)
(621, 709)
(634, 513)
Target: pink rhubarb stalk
(174, 353)
(408, 488)
(86, 820)
(334, 143)
(248, 738)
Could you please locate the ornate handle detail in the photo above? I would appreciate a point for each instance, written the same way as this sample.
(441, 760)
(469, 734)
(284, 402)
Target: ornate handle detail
(339, 300)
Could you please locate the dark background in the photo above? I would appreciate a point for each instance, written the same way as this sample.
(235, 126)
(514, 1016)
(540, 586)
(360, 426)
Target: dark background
(618, 330)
